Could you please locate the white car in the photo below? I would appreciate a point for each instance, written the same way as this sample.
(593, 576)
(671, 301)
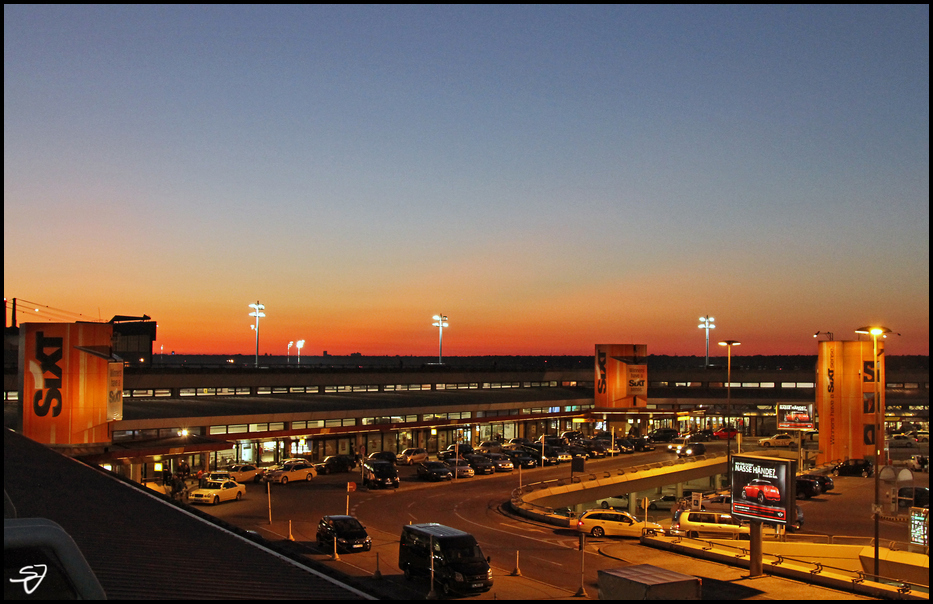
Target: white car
(901, 441)
(290, 471)
(215, 491)
(614, 523)
(778, 440)
(245, 472)
(617, 501)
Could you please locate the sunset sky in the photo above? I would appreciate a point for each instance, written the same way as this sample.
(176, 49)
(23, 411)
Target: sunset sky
(548, 177)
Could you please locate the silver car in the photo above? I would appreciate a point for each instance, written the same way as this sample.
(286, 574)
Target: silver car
(461, 468)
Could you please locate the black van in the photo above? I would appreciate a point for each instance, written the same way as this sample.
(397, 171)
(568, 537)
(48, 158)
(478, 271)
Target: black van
(379, 473)
(459, 565)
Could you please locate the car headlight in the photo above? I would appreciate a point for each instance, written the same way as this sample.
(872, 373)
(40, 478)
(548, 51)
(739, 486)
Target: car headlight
(489, 573)
(458, 577)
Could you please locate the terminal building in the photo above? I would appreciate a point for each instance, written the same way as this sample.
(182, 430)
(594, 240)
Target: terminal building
(210, 412)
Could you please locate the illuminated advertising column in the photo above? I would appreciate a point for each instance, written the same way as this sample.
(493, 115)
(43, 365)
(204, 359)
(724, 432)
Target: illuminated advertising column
(845, 399)
(621, 377)
(66, 383)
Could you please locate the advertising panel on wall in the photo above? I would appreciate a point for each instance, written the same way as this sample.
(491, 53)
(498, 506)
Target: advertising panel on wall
(795, 416)
(65, 382)
(845, 399)
(621, 376)
(763, 488)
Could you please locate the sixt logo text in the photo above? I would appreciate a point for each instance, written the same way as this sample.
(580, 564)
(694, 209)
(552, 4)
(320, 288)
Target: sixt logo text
(50, 395)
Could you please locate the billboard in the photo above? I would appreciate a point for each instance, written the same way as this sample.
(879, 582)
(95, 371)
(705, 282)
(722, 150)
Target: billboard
(66, 385)
(764, 488)
(845, 399)
(621, 376)
(795, 416)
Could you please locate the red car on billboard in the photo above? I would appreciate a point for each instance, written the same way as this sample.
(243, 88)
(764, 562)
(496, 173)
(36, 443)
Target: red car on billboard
(761, 490)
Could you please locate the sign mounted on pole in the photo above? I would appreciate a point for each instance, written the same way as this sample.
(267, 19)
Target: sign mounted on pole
(621, 376)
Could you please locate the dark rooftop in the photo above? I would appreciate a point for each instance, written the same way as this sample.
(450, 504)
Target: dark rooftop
(142, 546)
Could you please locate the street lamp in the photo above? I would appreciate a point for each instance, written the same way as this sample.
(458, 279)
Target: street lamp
(707, 324)
(288, 353)
(729, 344)
(257, 312)
(876, 331)
(828, 334)
(440, 321)
(299, 346)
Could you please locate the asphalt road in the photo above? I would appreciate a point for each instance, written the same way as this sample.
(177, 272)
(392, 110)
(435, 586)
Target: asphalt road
(548, 557)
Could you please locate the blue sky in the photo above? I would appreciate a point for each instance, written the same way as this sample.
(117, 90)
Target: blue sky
(548, 177)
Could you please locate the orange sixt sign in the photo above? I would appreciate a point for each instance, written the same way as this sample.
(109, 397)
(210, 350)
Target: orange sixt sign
(65, 383)
(620, 380)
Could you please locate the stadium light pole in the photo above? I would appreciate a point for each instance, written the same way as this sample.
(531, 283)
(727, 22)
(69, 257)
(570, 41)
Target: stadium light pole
(257, 312)
(729, 344)
(440, 321)
(707, 324)
(299, 345)
(288, 353)
(876, 331)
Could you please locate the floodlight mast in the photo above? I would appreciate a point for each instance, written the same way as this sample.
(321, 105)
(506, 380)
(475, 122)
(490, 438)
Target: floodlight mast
(257, 312)
(707, 324)
(876, 331)
(440, 323)
(300, 344)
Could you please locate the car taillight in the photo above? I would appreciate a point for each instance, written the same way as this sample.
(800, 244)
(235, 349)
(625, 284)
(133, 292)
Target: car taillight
(579, 523)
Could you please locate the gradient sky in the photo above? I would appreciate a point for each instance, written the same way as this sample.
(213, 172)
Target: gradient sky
(548, 177)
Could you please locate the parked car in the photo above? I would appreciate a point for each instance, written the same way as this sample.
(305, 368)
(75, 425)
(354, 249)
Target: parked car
(434, 471)
(521, 459)
(808, 487)
(825, 482)
(481, 464)
(693, 524)
(461, 468)
(913, 497)
(245, 472)
(562, 455)
(412, 455)
(454, 450)
(290, 470)
(614, 523)
(501, 462)
(379, 473)
(901, 441)
(218, 476)
(350, 535)
(624, 445)
(854, 467)
(388, 456)
(762, 491)
(778, 440)
(641, 443)
(549, 458)
(691, 450)
(725, 433)
(617, 501)
(334, 464)
(215, 491)
(663, 435)
(489, 446)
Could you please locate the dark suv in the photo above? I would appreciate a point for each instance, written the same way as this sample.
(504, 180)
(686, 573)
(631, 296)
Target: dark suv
(663, 435)
(854, 467)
